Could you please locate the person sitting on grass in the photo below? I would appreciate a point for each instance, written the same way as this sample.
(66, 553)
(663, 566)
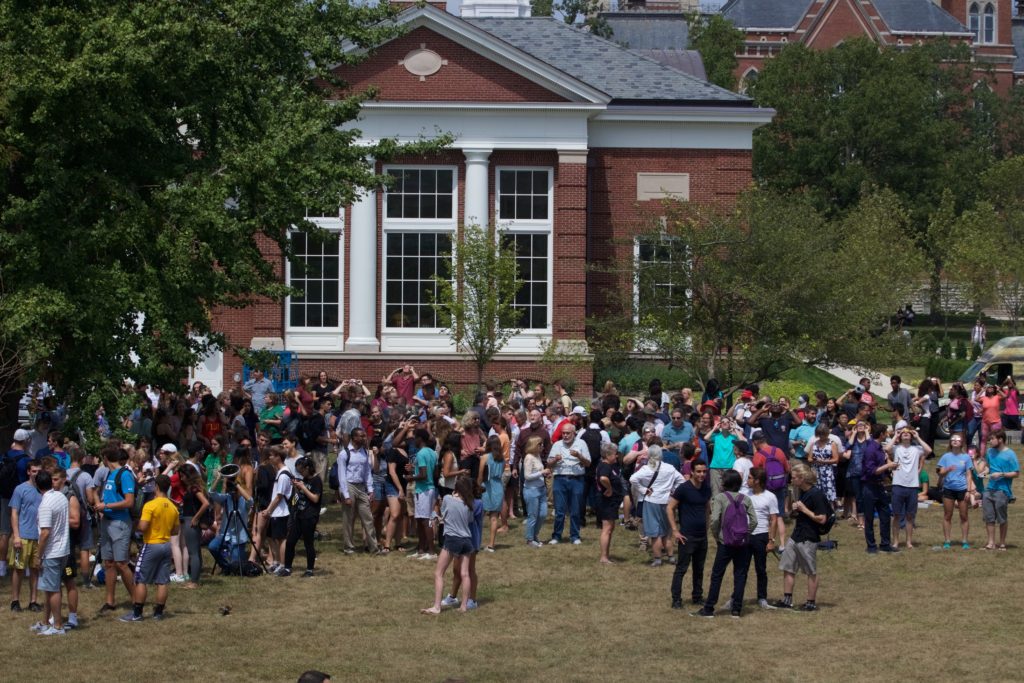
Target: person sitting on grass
(457, 517)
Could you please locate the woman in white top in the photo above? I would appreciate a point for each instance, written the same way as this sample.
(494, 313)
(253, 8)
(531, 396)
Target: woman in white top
(535, 491)
(653, 484)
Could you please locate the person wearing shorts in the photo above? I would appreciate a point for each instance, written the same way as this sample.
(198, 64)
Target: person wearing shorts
(23, 552)
(800, 553)
(908, 451)
(608, 478)
(277, 511)
(158, 523)
(457, 515)
(1003, 468)
(116, 525)
(954, 467)
(54, 547)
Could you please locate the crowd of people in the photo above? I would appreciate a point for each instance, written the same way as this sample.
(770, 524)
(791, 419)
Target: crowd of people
(248, 473)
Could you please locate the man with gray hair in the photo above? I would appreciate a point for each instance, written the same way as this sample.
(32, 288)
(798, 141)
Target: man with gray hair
(653, 484)
(568, 461)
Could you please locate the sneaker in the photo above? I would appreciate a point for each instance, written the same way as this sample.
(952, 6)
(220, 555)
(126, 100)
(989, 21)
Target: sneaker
(349, 551)
(677, 604)
(307, 574)
(51, 631)
(577, 542)
(180, 578)
(656, 562)
(489, 549)
(428, 556)
(872, 551)
(35, 607)
(471, 604)
(735, 614)
(554, 541)
(413, 556)
(15, 606)
(107, 608)
(782, 604)
(283, 572)
(809, 607)
(37, 627)
(703, 612)
(131, 616)
(945, 546)
(158, 617)
(535, 544)
(965, 546)
(764, 604)
(272, 569)
(449, 601)
(671, 559)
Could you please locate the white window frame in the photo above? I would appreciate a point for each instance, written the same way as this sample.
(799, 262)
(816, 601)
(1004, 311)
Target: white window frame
(639, 347)
(531, 340)
(988, 24)
(416, 339)
(303, 338)
(974, 20)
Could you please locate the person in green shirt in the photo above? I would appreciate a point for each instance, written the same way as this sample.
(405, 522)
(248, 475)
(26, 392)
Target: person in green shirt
(217, 458)
(271, 418)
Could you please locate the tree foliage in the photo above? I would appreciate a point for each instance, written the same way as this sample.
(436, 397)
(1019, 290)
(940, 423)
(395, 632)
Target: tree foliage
(902, 119)
(149, 150)
(477, 308)
(985, 244)
(744, 294)
(718, 42)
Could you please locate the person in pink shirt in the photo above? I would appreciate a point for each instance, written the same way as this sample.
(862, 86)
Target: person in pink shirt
(404, 379)
(991, 402)
(1011, 410)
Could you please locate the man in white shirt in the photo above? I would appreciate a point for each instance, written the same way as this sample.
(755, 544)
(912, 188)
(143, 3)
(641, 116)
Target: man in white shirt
(277, 511)
(908, 451)
(568, 461)
(54, 547)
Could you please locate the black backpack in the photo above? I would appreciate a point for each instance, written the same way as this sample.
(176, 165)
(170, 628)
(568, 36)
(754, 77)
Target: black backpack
(9, 474)
(592, 437)
(310, 429)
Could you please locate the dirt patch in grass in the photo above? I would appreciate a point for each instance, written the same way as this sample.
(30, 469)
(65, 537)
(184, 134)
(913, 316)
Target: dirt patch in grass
(554, 614)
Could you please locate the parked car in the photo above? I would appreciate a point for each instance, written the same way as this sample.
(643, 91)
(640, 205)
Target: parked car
(1003, 359)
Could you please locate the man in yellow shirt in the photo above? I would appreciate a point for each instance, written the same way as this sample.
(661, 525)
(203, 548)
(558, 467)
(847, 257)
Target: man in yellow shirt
(159, 521)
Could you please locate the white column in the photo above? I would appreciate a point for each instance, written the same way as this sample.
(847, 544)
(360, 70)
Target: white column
(477, 206)
(362, 275)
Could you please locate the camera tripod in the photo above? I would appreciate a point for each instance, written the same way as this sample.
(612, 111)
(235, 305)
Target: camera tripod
(234, 517)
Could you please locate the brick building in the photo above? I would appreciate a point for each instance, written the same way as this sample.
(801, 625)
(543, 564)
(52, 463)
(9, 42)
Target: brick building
(990, 27)
(563, 139)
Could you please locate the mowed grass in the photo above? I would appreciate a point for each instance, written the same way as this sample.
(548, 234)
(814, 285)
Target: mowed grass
(554, 614)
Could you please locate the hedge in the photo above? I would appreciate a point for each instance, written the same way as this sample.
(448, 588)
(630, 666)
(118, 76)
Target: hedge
(946, 369)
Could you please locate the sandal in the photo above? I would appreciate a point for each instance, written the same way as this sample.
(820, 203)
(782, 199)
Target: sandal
(1001, 547)
(989, 547)
(384, 551)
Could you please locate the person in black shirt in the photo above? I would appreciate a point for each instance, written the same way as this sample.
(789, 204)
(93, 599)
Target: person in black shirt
(688, 517)
(800, 555)
(305, 515)
(775, 421)
(608, 477)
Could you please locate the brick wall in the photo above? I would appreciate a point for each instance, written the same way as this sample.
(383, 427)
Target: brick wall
(467, 77)
(616, 216)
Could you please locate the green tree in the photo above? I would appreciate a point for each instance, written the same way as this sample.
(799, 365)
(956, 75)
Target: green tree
(985, 245)
(150, 150)
(542, 8)
(718, 42)
(477, 308)
(743, 295)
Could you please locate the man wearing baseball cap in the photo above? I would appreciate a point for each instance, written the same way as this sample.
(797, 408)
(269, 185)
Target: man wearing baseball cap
(14, 471)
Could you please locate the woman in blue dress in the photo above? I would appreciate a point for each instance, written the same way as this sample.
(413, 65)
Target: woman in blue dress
(492, 466)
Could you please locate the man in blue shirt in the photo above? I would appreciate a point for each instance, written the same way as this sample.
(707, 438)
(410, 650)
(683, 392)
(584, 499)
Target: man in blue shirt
(802, 435)
(116, 522)
(20, 457)
(24, 551)
(1002, 470)
(676, 433)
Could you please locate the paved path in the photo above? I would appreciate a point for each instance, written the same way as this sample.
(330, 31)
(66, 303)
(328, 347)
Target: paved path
(879, 382)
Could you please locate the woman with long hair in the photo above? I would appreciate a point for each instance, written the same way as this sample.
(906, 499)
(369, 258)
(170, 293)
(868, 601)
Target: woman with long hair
(216, 458)
(194, 505)
(955, 470)
(766, 509)
(457, 517)
(492, 467)
(535, 491)
(307, 488)
(395, 459)
(824, 458)
(170, 462)
(450, 469)
(211, 420)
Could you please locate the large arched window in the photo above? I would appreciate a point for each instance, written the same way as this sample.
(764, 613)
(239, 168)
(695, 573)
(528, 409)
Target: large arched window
(974, 21)
(988, 24)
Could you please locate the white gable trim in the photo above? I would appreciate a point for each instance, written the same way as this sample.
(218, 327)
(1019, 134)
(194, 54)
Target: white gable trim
(497, 51)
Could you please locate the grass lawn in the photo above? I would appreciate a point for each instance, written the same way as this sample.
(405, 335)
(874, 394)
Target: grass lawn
(554, 614)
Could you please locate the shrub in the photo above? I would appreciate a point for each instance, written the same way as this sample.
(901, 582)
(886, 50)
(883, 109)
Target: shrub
(633, 377)
(946, 369)
(945, 349)
(961, 350)
(975, 351)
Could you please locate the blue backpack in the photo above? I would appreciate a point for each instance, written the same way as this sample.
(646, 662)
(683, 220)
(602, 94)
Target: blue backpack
(735, 523)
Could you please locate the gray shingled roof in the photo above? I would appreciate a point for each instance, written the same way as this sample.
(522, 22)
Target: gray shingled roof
(777, 14)
(687, 61)
(917, 15)
(602, 64)
(649, 30)
(1018, 44)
